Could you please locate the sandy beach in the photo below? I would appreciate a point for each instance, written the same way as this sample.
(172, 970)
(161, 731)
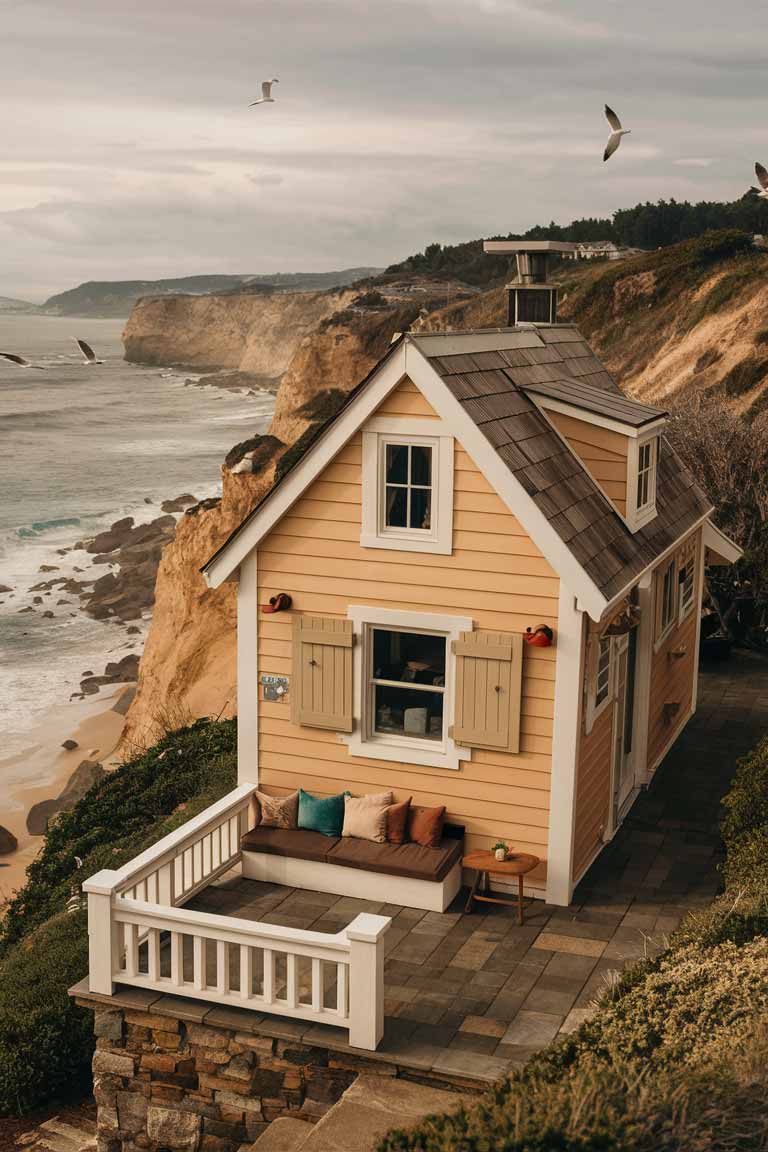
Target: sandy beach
(42, 770)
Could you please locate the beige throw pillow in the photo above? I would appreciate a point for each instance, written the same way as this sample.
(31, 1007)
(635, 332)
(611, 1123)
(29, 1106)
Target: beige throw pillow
(278, 811)
(366, 817)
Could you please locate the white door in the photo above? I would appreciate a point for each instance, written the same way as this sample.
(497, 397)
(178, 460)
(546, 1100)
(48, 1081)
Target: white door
(623, 768)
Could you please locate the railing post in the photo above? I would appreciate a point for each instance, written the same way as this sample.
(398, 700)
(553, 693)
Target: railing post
(366, 980)
(101, 932)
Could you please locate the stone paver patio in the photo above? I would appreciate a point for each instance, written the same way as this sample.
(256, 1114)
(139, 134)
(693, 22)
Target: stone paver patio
(473, 995)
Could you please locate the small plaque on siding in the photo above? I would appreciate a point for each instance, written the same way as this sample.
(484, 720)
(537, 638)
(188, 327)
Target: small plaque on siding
(274, 687)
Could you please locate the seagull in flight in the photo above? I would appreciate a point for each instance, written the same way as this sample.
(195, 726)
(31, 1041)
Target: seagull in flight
(20, 361)
(266, 92)
(616, 132)
(89, 356)
(762, 175)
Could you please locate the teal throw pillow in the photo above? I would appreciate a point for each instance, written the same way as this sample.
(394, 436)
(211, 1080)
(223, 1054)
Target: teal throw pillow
(321, 814)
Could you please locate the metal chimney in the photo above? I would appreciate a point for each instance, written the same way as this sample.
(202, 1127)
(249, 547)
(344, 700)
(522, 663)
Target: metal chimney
(530, 299)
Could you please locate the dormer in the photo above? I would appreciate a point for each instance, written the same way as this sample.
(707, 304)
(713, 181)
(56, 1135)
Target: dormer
(615, 438)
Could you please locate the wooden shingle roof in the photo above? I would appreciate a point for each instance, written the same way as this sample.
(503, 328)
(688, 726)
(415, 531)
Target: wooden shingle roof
(495, 389)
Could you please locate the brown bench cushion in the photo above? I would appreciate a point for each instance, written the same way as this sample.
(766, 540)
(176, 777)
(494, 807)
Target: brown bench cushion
(411, 860)
(300, 843)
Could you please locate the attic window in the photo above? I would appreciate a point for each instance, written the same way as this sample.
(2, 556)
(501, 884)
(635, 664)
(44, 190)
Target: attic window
(407, 489)
(641, 481)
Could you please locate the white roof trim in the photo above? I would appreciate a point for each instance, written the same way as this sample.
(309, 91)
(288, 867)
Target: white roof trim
(721, 544)
(231, 555)
(628, 430)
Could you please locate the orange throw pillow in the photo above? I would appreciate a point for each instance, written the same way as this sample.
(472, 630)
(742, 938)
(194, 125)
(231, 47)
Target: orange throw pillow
(425, 826)
(397, 821)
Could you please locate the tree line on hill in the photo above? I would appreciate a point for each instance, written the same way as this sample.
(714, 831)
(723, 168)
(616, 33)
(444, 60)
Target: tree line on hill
(648, 226)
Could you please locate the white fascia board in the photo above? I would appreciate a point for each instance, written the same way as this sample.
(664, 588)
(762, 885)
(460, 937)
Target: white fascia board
(296, 482)
(507, 486)
(718, 542)
(628, 430)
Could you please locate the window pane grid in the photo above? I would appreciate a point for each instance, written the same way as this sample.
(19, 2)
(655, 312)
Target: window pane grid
(644, 473)
(408, 486)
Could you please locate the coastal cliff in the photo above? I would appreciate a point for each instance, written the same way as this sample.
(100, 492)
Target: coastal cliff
(250, 332)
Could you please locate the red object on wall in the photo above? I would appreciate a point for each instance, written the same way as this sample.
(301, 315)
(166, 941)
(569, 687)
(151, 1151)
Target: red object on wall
(540, 637)
(279, 603)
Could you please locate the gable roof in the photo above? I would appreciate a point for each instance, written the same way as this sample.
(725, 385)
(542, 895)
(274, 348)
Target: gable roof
(486, 379)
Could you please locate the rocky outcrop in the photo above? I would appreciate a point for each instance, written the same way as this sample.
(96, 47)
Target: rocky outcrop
(255, 334)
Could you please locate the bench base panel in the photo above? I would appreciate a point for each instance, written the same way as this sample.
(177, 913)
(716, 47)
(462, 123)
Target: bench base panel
(317, 876)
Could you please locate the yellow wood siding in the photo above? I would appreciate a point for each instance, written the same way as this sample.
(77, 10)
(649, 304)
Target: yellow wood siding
(496, 575)
(593, 784)
(672, 677)
(603, 452)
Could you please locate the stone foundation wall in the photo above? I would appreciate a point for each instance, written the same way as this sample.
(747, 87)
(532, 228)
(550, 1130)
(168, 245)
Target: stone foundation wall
(164, 1083)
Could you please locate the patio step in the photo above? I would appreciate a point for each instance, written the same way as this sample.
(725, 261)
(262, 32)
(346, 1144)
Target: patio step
(283, 1135)
(56, 1135)
(369, 1108)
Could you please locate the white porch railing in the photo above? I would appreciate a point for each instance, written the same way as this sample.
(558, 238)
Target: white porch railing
(139, 935)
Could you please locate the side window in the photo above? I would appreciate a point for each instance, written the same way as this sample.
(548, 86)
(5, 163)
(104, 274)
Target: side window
(599, 680)
(666, 601)
(686, 578)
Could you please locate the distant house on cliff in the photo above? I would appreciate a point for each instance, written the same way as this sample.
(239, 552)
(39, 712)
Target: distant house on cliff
(602, 250)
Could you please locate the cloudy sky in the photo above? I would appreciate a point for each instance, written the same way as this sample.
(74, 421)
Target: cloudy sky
(129, 150)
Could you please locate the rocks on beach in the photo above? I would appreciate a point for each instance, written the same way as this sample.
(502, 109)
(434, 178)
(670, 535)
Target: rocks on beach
(8, 842)
(87, 773)
(116, 672)
(70, 745)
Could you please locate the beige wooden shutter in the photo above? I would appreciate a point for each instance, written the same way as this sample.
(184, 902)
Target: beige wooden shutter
(489, 667)
(321, 688)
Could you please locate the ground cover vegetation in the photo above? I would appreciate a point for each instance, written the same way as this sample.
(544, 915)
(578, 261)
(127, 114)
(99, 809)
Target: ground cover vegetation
(46, 1042)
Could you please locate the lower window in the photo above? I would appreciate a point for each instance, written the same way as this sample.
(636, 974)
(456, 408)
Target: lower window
(406, 684)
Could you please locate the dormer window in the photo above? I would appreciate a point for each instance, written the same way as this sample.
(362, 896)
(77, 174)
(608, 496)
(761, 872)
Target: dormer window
(642, 461)
(407, 486)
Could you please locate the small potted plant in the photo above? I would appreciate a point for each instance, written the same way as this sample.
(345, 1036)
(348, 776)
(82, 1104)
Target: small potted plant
(500, 850)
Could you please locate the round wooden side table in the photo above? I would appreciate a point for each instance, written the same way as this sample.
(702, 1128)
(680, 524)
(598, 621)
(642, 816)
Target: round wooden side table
(485, 864)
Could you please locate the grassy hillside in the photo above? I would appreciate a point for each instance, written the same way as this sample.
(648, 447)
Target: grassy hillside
(677, 1055)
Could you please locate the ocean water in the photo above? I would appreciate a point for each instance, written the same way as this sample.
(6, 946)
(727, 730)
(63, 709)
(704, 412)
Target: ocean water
(81, 447)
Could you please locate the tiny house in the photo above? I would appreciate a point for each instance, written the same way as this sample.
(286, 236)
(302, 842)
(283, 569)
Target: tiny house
(494, 562)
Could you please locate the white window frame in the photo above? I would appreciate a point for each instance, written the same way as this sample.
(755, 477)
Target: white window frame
(638, 517)
(596, 708)
(379, 432)
(403, 749)
(688, 559)
(662, 629)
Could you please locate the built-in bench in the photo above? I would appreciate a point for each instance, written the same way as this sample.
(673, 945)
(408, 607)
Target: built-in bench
(406, 874)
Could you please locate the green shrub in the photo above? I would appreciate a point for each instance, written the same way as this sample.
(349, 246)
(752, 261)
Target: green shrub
(45, 1041)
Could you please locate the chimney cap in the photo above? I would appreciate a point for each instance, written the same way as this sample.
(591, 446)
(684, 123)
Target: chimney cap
(504, 247)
